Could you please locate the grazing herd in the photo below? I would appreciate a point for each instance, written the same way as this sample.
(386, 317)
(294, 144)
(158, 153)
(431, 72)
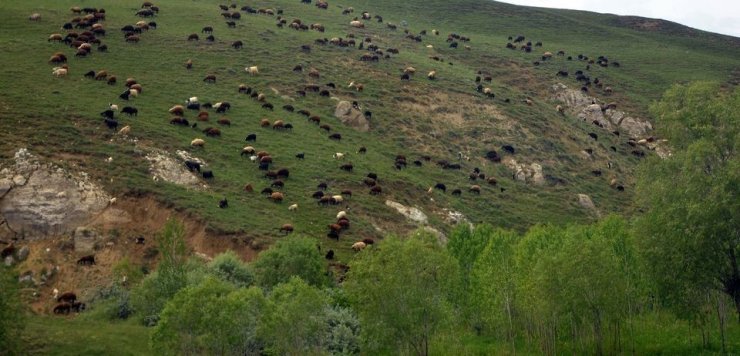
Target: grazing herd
(192, 112)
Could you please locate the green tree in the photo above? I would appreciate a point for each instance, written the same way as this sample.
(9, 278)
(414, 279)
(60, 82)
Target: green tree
(343, 332)
(690, 231)
(295, 319)
(150, 297)
(402, 291)
(465, 244)
(293, 256)
(229, 267)
(493, 284)
(575, 283)
(11, 312)
(212, 317)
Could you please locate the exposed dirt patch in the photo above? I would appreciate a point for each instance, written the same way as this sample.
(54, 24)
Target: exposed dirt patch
(118, 226)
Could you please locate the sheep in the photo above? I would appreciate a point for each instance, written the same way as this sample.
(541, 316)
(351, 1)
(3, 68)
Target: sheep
(207, 174)
(432, 75)
(55, 37)
(277, 197)
(125, 130)
(286, 228)
(129, 110)
(474, 189)
(357, 24)
(441, 187)
(339, 156)
(253, 70)
(376, 190)
(178, 110)
(357, 86)
(223, 203)
(59, 72)
(210, 78)
(560, 109)
(293, 207)
(359, 246)
(341, 214)
(198, 142)
(62, 308)
(86, 260)
(409, 70)
(34, 17)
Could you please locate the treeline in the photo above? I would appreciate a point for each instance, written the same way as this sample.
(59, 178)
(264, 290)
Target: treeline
(584, 289)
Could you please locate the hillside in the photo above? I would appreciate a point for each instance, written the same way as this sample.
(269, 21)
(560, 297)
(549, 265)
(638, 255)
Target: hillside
(58, 118)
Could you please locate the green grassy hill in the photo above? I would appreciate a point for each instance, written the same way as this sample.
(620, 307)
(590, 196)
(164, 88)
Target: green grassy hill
(58, 118)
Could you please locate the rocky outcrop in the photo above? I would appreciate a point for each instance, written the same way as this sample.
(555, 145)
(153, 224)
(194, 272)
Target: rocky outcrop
(411, 213)
(351, 116)
(163, 166)
(528, 173)
(39, 199)
(588, 109)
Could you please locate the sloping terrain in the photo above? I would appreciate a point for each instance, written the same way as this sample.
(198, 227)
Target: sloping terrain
(445, 119)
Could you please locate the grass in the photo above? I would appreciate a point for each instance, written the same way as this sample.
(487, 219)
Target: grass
(58, 118)
(83, 336)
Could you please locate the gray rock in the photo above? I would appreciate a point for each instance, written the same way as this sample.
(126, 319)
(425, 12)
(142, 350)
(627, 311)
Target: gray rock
(586, 203)
(169, 169)
(23, 253)
(351, 116)
(5, 186)
(19, 180)
(50, 201)
(9, 261)
(85, 239)
(411, 213)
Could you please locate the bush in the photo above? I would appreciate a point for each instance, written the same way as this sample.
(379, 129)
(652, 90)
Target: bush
(229, 267)
(290, 257)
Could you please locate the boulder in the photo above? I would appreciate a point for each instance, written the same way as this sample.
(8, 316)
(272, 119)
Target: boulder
(526, 172)
(46, 200)
(85, 239)
(411, 213)
(593, 113)
(172, 170)
(586, 203)
(351, 117)
(23, 253)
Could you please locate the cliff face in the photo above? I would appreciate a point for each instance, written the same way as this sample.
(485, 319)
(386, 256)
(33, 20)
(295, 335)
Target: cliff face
(39, 199)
